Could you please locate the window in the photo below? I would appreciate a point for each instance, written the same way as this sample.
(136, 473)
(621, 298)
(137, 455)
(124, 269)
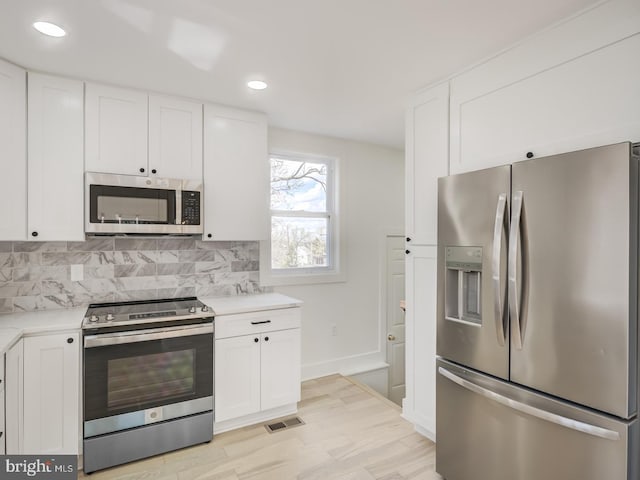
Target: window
(304, 221)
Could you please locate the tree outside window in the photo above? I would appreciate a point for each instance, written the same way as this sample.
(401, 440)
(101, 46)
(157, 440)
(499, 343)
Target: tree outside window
(301, 213)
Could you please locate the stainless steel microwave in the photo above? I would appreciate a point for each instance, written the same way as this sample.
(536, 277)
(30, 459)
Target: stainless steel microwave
(126, 204)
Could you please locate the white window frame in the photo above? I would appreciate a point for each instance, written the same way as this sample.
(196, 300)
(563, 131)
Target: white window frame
(335, 270)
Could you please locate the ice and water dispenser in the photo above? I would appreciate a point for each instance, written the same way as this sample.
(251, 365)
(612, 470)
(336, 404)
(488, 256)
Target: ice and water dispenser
(463, 289)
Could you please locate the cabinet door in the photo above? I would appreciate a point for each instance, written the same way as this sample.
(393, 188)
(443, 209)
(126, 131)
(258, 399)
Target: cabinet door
(14, 376)
(116, 130)
(175, 138)
(589, 101)
(51, 394)
(280, 366)
(13, 155)
(237, 377)
(427, 157)
(236, 166)
(55, 162)
(420, 402)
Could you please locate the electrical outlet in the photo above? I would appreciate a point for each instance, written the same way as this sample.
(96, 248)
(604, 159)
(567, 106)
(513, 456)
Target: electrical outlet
(334, 330)
(77, 273)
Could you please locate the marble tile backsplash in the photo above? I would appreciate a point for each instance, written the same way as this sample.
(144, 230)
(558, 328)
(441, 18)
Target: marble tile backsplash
(38, 275)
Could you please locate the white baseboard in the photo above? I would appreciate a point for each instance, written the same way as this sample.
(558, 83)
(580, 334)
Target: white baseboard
(258, 417)
(420, 425)
(345, 366)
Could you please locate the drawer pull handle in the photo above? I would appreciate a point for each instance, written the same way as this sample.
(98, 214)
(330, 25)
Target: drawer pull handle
(260, 322)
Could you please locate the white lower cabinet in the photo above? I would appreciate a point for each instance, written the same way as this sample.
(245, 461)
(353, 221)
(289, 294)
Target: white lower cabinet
(3, 435)
(14, 393)
(257, 366)
(43, 381)
(280, 368)
(420, 401)
(237, 377)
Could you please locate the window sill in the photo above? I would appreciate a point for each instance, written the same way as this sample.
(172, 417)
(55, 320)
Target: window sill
(269, 279)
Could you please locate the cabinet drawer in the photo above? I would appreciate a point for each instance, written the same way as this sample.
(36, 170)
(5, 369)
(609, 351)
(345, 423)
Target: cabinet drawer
(257, 322)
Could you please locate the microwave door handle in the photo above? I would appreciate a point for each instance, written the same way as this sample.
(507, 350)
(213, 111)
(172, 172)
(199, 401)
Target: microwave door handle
(498, 299)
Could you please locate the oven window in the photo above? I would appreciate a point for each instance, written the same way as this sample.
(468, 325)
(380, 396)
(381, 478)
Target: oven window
(140, 379)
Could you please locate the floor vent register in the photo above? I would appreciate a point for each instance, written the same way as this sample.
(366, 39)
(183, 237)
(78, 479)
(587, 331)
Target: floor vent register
(284, 424)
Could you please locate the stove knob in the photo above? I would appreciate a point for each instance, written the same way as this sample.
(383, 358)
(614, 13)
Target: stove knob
(109, 317)
(192, 309)
(205, 308)
(93, 318)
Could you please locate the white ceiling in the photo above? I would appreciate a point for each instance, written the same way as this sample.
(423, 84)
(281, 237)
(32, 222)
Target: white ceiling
(343, 68)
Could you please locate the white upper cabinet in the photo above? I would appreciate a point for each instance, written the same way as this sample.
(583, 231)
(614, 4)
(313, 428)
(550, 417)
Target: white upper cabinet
(116, 130)
(55, 159)
(236, 175)
(175, 138)
(13, 155)
(573, 87)
(427, 157)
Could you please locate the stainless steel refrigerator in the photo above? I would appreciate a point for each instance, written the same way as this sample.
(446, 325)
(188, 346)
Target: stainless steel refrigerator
(537, 319)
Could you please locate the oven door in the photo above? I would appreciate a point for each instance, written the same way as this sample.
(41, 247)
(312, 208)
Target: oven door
(145, 376)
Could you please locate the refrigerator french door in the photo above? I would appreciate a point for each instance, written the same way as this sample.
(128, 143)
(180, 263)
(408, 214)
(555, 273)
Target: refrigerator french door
(537, 290)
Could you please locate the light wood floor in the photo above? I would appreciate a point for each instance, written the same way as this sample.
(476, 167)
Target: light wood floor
(350, 433)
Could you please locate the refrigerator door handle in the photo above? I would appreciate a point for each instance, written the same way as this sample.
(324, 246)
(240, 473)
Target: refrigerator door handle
(529, 410)
(498, 228)
(514, 238)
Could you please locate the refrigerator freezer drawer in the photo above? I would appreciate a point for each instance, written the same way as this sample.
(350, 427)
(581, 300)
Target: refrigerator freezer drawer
(492, 430)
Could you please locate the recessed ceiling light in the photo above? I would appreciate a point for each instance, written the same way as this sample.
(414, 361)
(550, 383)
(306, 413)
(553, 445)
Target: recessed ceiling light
(50, 29)
(257, 85)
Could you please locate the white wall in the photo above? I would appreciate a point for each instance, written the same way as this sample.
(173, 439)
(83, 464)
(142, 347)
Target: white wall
(373, 204)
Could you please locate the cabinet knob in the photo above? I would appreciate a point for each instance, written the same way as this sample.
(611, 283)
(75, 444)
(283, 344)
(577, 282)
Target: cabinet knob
(141, 170)
(256, 339)
(407, 252)
(266, 339)
(154, 171)
(209, 235)
(408, 239)
(391, 337)
(70, 340)
(34, 234)
(529, 154)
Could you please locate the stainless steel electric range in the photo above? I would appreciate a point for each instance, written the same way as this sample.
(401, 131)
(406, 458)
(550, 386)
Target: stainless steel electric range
(148, 379)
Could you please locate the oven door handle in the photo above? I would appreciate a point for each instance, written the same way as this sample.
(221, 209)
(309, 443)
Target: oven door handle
(119, 338)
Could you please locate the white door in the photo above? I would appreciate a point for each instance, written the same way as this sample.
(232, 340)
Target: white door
(395, 317)
(115, 130)
(51, 394)
(56, 158)
(237, 376)
(280, 382)
(175, 138)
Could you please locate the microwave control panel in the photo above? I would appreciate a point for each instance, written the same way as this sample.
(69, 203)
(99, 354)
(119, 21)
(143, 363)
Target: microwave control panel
(190, 208)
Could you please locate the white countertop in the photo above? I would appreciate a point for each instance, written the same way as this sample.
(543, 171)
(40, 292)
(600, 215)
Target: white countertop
(15, 325)
(250, 303)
